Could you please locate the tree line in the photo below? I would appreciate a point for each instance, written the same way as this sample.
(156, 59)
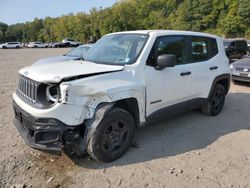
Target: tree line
(228, 18)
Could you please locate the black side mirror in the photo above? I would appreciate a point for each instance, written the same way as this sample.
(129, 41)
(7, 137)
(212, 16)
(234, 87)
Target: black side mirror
(165, 60)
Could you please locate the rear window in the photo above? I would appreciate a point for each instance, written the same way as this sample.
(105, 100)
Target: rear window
(203, 48)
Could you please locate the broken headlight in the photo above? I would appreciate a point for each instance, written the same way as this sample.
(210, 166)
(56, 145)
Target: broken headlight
(52, 93)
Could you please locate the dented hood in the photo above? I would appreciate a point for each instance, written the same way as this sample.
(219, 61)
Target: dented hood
(54, 73)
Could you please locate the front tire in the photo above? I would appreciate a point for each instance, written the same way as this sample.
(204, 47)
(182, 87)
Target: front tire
(216, 102)
(113, 136)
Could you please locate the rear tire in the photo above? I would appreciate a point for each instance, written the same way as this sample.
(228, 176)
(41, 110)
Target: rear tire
(113, 136)
(216, 102)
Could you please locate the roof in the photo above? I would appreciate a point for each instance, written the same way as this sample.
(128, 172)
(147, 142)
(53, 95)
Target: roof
(168, 32)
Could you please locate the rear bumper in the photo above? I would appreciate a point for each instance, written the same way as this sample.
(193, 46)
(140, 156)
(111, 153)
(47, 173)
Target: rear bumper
(47, 134)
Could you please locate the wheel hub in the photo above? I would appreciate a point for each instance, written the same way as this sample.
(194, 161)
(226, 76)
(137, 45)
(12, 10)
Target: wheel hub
(115, 135)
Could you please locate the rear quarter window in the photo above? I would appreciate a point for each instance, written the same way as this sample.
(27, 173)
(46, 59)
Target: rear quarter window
(202, 49)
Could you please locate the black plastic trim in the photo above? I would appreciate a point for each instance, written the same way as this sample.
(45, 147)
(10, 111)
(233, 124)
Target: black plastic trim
(175, 109)
(219, 78)
(45, 134)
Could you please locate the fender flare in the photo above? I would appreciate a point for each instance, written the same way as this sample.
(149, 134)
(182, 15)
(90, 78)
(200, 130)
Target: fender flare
(218, 79)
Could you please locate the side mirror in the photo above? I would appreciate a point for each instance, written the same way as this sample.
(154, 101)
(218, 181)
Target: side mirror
(165, 60)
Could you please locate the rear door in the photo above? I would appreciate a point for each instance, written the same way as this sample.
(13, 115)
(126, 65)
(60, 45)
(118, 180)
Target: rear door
(205, 66)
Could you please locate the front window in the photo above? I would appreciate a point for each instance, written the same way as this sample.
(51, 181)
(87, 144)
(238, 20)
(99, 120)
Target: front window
(80, 51)
(174, 45)
(117, 49)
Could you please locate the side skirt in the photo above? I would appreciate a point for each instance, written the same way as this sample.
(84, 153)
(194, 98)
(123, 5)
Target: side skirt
(167, 112)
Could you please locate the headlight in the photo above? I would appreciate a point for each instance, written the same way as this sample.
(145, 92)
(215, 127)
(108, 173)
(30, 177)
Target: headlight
(231, 66)
(52, 93)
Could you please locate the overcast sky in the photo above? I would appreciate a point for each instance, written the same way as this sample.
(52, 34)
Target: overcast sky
(19, 11)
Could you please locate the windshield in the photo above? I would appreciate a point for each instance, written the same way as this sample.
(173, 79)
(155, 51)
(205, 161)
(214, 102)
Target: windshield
(80, 51)
(117, 49)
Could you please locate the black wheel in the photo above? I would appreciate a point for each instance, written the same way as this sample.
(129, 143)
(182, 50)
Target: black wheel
(17, 47)
(4, 47)
(113, 136)
(216, 101)
(35, 46)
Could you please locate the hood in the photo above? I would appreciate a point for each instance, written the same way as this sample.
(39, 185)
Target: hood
(242, 63)
(55, 72)
(54, 59)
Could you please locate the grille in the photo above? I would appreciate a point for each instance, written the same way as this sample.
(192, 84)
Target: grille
(241, 69)
(27, 88)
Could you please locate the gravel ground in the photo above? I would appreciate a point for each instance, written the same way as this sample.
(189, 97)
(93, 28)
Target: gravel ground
(189, 150)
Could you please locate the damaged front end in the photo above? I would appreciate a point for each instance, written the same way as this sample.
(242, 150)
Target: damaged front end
(78, 140)
(54, 116)
(52, 135)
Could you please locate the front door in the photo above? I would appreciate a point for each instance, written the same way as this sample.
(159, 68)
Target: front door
(171, 85)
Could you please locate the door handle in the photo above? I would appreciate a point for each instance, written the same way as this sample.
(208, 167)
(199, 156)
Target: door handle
(185, 73)
(213, 68)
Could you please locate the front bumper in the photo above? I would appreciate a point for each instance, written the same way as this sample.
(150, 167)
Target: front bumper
(240, 78)
(47, 134)
(240, 75)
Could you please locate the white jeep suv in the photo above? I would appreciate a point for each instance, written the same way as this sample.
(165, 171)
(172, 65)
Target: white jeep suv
(127, 80)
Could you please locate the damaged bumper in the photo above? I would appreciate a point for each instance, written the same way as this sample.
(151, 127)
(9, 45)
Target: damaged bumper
(47, 134)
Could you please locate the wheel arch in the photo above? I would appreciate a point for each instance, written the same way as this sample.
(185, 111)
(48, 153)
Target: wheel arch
(131, 106)
(224, 80)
